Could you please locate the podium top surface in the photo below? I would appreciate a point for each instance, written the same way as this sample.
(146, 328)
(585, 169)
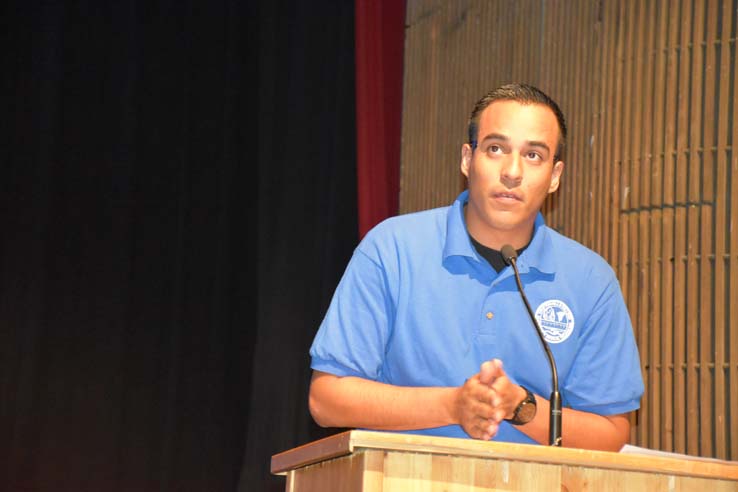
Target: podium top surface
(349, 442)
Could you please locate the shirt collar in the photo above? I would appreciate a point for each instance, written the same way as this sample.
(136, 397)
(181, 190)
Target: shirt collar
(457, 239)
(537, 255)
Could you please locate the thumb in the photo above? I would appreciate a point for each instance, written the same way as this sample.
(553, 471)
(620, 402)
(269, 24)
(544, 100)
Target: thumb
(488, 371)
(497, 370)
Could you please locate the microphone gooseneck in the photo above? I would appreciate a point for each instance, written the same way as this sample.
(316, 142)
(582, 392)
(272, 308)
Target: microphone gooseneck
(554, 426)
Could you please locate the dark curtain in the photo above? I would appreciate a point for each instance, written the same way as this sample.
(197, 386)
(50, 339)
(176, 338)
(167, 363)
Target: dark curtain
(177, 203)
(307, 190)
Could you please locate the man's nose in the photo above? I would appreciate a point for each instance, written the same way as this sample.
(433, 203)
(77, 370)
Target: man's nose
(512, 168)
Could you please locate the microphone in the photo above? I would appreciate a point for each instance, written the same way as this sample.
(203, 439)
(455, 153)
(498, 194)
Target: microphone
(554, 423)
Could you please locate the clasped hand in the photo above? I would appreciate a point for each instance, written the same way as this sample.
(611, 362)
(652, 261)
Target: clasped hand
(486, 399)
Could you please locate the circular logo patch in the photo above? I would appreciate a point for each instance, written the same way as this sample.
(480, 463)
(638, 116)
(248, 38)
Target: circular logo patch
(556, 320)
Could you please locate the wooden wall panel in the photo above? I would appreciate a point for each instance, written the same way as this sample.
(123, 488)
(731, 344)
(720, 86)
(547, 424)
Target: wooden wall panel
(649, 89)
(732, 197)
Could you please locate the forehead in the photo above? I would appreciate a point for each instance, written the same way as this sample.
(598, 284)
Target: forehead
(518, 121)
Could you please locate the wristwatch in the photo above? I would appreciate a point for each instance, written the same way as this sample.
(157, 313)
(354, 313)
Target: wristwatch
(526, 410)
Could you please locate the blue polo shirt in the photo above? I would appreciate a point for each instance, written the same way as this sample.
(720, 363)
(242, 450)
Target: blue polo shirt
(418, 306)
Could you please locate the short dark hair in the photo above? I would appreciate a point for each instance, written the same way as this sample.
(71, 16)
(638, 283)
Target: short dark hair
(524, 94)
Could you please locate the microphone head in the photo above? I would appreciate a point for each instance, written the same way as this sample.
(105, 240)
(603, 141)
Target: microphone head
(509, 254)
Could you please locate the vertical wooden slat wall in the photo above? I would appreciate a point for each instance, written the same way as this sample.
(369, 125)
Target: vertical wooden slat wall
(650, 91)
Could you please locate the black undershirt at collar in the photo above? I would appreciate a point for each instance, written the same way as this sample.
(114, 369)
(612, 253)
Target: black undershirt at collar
(493, 257)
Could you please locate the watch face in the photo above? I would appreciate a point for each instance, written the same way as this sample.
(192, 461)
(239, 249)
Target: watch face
(526, 413)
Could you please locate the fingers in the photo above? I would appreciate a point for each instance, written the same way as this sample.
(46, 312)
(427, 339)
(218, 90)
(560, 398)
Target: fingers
(497, 368)
(475, 412)
(486, 373)
(480, 428)
(477, 398)
(503, 397)
(479, 411)
(507, 396)
(486, 399)
(487, 431)
(490, 370)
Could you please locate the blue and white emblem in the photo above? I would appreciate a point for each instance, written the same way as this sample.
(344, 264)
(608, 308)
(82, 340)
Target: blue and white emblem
(556, 320)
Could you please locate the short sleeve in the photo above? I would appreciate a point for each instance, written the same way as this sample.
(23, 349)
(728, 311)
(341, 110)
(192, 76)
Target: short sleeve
(353, 335)
(606, 377)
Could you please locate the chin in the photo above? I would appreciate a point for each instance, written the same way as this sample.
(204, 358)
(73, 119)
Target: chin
(509, 224)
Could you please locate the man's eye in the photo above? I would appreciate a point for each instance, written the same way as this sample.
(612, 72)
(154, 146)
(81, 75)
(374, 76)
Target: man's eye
(534, 156)
(494, 149)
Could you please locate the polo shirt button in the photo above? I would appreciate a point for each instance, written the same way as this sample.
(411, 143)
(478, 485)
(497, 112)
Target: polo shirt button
(490, 315)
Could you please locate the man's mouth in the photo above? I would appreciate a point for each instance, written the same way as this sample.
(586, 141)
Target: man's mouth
(507, 196)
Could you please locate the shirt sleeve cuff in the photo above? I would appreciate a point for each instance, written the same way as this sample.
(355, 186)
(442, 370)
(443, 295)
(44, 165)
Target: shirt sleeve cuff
(611, 408)
(333, 367)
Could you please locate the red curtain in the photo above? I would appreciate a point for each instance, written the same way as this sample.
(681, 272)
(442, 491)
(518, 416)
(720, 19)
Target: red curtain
(380, 39)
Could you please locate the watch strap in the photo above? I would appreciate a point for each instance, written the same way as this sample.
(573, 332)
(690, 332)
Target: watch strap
(529, 399)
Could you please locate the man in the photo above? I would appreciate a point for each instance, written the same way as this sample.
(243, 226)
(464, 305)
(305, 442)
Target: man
(427, 332)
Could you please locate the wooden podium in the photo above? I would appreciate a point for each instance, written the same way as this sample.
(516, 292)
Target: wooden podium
(382, 461)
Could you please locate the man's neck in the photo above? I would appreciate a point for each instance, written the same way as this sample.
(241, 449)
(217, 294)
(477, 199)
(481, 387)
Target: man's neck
(496, 238)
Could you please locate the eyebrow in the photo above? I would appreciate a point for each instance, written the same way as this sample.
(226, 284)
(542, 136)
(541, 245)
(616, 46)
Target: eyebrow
(505, 138)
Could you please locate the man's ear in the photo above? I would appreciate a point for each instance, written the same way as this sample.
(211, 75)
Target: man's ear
(556, 176)
(466, 157)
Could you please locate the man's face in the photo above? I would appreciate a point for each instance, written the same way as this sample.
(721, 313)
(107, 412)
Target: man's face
(510, 172)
